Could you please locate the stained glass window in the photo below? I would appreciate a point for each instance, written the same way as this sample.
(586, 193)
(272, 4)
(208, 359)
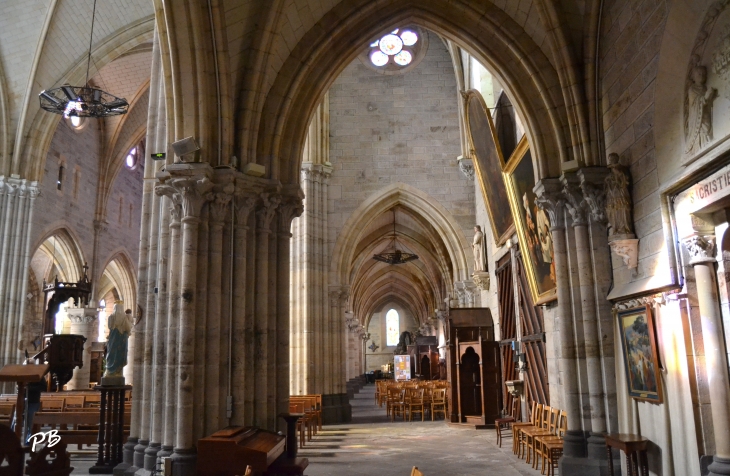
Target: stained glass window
(392, 324)
(409, 38)
(403, 58)
(400, 47)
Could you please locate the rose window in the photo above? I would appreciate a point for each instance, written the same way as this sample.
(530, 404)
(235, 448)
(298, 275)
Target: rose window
(398, 47)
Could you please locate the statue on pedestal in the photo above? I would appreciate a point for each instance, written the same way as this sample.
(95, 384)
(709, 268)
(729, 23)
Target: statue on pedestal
(477, 245)
(120, 327)
(618, 200)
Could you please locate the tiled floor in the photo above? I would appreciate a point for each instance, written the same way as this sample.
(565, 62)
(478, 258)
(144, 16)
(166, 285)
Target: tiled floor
(372, 445)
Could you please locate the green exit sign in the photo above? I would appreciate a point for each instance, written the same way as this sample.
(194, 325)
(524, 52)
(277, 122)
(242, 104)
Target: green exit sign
(158, 156)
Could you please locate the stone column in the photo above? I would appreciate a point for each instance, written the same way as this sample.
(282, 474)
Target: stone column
(701, 249)
(579, 211)
(263, 328)
(550, 198)
(336, 406)
(191, 182)
(85, 322)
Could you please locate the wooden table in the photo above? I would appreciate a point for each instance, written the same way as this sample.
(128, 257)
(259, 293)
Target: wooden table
(634, 446)
(21, 375)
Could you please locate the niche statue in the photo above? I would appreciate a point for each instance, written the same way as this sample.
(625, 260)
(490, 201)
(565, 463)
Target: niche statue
(120, 326)
(698, 116)
(618, 200)
(477, 246)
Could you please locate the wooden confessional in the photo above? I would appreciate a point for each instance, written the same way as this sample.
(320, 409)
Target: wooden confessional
(473, 368)
(425, 353)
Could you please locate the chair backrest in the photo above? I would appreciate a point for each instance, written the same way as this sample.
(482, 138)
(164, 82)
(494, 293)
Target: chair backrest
(52, 404)
(516, 409)
(75, 401)
(545, 417)
(554, 420)
(537, 416)
(92, 400)
(417, 396)
(439, 395)
(296, 407)
(416, 472)
(533, 412)
(563, 427)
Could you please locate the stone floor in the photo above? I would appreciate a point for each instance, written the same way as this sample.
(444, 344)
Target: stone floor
(372, 445)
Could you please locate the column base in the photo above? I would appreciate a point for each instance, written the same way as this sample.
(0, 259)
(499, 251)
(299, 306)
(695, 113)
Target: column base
(138, 459)
(184, 462)
(127, 458)
(719, 466)
(572, 466)
(336, 409)
(574, 444)
(596, 447)
(150, 456)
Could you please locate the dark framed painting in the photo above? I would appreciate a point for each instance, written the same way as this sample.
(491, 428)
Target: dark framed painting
(488, 164)
(639, 350)
(533, 224)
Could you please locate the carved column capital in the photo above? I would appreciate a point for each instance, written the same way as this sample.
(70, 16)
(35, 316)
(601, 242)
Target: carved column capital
(266, 211)
(290, 208)
(592, 185)
(219, 199)
(193, 194)
(244, 205)
(338, 295)
(551, 199)
(574, 202)
(701, 248)
(466, 165)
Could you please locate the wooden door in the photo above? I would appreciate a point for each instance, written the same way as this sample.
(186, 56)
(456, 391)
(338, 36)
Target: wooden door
(470, 380)
(505, 294)
(491, 381)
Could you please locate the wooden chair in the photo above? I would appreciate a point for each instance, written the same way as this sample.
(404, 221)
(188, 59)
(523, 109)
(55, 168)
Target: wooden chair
(398, 402)
(92, 400)
(535, 412)
(393, 395)
(548, 428)
(538, 424)
(7, 410)
(416, 472)
(550, 447)
(505, 423)
(52, 404)
(438, 402)
(415, 403)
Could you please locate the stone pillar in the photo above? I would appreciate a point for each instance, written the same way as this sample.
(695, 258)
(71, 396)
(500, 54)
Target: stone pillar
(85, 322)
(550, 198)
(580, 214)
(336, 406)
(191, 183)
(701, 249)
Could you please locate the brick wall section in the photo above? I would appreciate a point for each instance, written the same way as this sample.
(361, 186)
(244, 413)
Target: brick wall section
(397, 128)
(81, 150)
(631, 37)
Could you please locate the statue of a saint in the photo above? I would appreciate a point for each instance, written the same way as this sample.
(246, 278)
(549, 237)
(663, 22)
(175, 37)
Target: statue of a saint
(477, 246)
(698, 126)
(618, 199)
(120, 326)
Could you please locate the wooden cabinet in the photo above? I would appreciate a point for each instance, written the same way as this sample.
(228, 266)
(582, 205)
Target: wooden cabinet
(473, 368)
(425, 354)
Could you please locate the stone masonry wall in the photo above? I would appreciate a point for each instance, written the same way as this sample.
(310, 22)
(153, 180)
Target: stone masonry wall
(74, 205)
(397, 128)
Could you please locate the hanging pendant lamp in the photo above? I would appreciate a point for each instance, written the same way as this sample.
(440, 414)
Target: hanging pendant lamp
(83, 101)
(396, 256)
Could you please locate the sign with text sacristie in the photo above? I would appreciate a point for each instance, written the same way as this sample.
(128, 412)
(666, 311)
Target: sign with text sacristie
(698, 196)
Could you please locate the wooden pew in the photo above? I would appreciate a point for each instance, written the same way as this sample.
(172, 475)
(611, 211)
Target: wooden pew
(79, 428)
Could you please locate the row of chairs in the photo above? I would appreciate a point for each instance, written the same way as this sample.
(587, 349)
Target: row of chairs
(541, 439)
(311, 423)
(408, 401)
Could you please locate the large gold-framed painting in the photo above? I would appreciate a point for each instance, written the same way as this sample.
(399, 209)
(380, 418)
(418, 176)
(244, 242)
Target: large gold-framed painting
(533, 224)
(488, 163)
(640, 354)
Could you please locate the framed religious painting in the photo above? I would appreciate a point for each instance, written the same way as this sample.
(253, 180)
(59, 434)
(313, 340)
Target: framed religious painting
(488, 164)
(639, 350)
(533, 224)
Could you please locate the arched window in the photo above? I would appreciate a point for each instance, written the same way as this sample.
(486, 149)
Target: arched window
(392, 324)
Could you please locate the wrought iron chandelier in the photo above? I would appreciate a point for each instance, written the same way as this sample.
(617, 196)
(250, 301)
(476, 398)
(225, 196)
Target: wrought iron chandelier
(83, 101)
(396, 256)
